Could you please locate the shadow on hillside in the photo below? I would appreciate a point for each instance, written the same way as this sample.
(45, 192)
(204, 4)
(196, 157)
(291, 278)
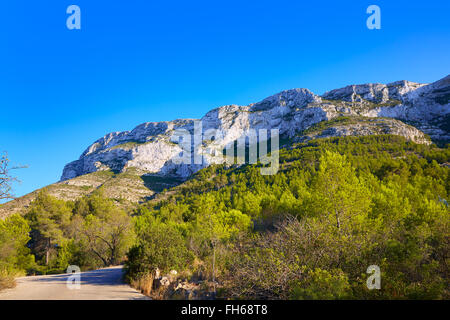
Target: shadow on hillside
(159, 183)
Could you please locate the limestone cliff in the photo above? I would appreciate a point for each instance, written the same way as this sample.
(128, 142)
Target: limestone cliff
(151, 147)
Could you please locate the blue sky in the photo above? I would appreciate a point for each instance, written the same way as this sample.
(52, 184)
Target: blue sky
(139, 60)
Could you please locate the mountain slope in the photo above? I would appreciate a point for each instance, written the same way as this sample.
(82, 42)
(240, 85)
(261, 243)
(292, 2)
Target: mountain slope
(127, 188)
(152, 147)
(133, 166)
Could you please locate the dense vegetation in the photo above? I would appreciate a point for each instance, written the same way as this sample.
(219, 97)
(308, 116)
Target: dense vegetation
(53, 234)
(335, 207)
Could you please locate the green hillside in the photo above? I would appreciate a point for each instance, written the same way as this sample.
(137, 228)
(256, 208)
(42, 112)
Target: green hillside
(336, 206)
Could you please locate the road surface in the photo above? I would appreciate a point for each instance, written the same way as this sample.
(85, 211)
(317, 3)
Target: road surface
(102, 284)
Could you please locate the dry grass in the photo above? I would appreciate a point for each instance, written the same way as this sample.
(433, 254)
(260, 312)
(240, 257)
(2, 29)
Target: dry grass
(7, 279)
(151, 288)
(143, 284)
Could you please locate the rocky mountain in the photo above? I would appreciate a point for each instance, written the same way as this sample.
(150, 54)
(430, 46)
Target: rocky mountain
(152, 146)
(362, 126)
(133, 166)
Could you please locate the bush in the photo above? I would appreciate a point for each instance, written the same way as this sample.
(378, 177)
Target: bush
(15, 257)
(160, 247)
(322, 284)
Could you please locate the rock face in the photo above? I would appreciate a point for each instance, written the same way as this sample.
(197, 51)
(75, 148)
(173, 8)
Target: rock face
(153, 147)
(425, 106)
(373, 92)
(363, 127)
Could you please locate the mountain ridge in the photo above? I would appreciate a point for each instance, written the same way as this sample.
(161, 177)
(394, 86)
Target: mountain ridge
(134, 166)
(150, 147)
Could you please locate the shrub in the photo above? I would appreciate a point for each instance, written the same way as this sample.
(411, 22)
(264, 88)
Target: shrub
(15, 257)
(322, 284)
(160, 247)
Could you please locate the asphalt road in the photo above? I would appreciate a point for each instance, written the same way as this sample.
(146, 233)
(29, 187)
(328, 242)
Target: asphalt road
(102, 284)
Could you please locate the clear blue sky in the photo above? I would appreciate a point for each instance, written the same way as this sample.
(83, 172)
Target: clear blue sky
(138, 60)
